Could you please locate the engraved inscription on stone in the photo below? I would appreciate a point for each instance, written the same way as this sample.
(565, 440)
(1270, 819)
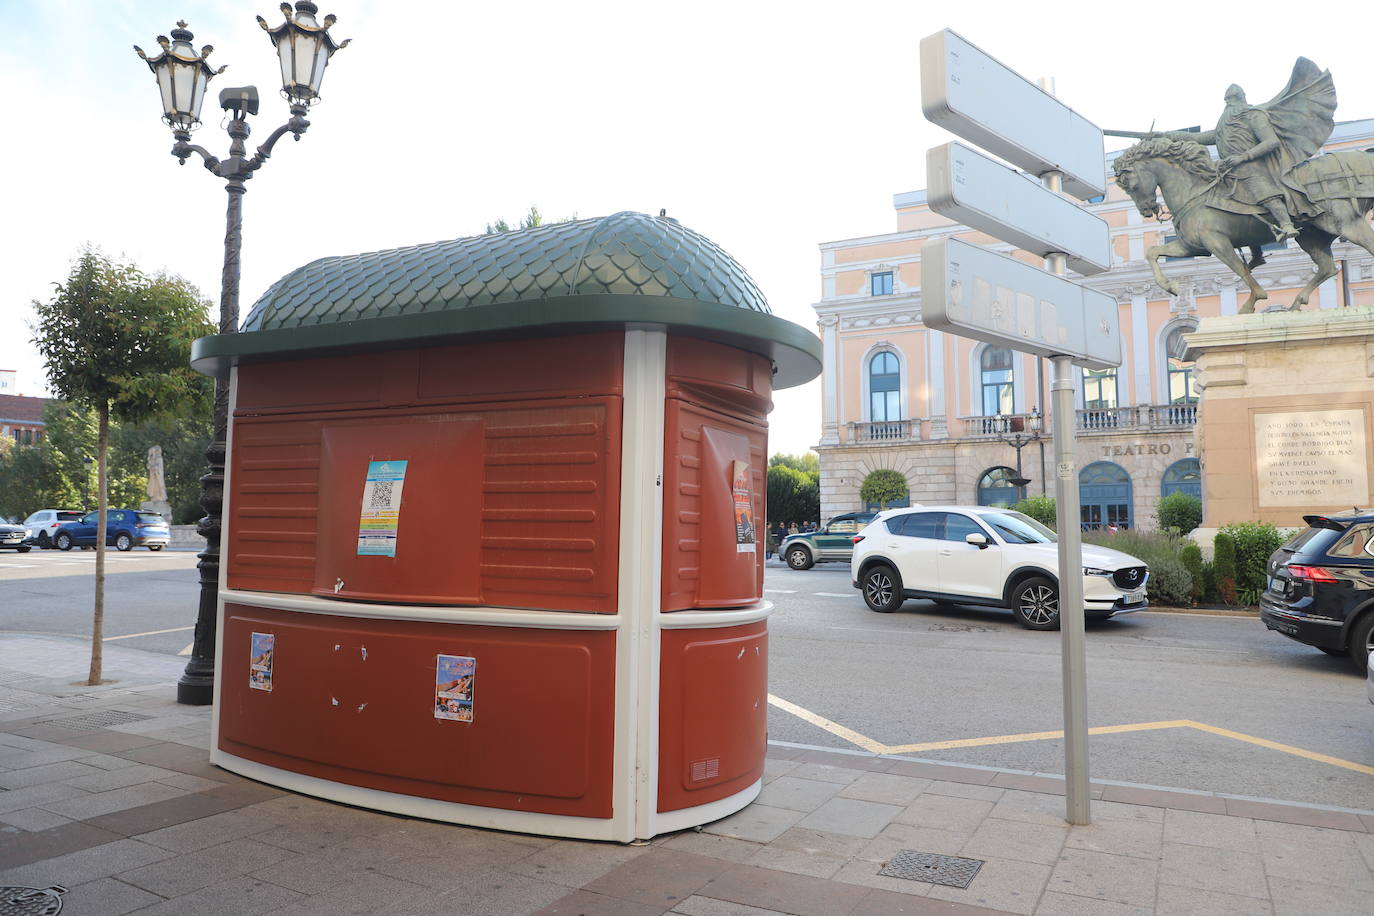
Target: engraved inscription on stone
(1314, 458)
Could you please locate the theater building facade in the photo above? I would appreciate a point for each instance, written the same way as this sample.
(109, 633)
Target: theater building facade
(949, 413)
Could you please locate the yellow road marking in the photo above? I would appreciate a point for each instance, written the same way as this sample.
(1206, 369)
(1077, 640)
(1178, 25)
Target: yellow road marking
(1030, 736)
(877, 747)
(1285, 748)
(149, 633)
(187, 650)
(834, 728)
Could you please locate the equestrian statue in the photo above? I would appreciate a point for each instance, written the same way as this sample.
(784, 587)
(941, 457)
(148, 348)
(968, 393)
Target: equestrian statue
(1265, 187)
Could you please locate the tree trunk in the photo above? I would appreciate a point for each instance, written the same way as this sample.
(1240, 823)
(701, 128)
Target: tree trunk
(103, 509)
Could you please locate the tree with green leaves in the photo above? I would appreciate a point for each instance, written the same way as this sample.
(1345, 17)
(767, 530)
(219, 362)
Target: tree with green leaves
(118, 341)
(793, 495)
(882, 487)
(810, 463)
(533, 219)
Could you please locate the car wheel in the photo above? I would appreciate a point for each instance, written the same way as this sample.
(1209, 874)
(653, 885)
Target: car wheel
(64, 541)
(43, 540)
(1036, 604)
(24, 548)
(155, 547)
(1362, 641)
(882, 589)
(124, 542)
(799, 558)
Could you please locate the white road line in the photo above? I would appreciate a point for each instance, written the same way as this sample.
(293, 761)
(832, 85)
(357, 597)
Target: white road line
(780, 591)
(149, 633)
(187, 650)
(19, 566)
(833, 595)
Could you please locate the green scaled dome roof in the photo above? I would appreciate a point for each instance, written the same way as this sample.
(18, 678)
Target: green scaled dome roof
(615, 270)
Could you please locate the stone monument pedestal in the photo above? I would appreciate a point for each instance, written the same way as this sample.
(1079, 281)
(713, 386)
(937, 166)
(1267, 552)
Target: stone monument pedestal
(1287, 400)
(160, 506)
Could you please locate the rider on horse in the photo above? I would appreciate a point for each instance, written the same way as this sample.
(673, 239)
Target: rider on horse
(1260, 145)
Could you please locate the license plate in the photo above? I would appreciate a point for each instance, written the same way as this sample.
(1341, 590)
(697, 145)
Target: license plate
(1135, 597)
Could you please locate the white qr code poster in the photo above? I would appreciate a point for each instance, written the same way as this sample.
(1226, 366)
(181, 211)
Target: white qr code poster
(381, 513)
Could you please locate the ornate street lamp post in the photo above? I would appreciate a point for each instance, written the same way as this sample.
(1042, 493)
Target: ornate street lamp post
(1019, 432)
(304, 47)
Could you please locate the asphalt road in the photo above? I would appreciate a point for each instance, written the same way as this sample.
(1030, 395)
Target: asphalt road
(934, 674)
(52, 591)
(923, 675)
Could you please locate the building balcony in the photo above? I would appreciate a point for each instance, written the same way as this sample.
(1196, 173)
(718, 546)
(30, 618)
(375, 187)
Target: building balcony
(1087, 422)
(885, 431)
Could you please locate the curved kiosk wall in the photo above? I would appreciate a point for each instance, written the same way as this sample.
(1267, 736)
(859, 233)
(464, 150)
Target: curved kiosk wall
(489, 552)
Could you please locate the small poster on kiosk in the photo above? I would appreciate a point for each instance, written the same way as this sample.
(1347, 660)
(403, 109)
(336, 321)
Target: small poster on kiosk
(260, 661)
(381, 512)
(745, 541)
(454, 683)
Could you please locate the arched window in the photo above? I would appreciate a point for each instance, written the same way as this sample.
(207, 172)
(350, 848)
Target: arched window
(995, 365)
(1104, 490)
(884, 388)
(1099, 389)
(1183, 476)
(1182, 385)
(995, 488)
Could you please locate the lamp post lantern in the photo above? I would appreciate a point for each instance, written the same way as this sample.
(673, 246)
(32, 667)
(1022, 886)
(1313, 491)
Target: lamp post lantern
(304, 47)
(1019, 432)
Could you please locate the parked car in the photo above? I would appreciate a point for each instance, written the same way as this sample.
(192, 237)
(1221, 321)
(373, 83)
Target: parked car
(985, 555)
(125, 529)
(833, 542)
(1320, 589)
(13, 537)
(44, 523)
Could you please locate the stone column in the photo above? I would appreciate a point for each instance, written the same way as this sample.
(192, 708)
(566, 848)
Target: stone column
(830, 382)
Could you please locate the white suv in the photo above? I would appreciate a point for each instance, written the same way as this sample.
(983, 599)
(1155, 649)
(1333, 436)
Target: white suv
(987, 556)
(44, 523)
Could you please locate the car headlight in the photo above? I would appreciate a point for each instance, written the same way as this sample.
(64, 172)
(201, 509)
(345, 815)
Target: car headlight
(1094, 571)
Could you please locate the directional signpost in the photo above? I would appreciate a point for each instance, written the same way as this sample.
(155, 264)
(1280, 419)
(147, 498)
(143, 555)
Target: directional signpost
(976, 293)
(963, 184)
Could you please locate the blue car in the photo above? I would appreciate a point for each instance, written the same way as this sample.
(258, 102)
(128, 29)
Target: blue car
(125, 529)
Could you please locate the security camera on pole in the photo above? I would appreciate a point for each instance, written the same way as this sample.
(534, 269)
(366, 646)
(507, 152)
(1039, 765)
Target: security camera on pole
(972, 292)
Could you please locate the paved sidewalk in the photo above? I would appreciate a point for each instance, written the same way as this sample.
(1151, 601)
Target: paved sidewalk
(106, 791)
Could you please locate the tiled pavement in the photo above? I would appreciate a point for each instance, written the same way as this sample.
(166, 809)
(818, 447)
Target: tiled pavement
(130, 817)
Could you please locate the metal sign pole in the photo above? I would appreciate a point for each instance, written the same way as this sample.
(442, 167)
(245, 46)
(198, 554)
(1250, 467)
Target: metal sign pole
(1075, 669)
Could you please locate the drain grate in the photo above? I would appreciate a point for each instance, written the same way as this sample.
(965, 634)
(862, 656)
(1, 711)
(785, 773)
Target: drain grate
(949, 871)
(102, 719)
(31, 901)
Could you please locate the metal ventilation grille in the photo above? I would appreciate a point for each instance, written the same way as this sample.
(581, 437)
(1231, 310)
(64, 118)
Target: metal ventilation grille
(103, 719)
(949, 871)
(705, 769)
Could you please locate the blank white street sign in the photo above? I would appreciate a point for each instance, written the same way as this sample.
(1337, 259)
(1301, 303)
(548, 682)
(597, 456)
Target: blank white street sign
(976, 293)
(967, 186)
(972, 94)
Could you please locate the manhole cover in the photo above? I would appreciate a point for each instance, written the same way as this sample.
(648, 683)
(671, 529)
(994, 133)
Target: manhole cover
(950, 871)
(31, 901)
(103, 719)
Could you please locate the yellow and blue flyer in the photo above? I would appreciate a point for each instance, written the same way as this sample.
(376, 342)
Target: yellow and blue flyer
(455, 681)
(260, 661)
(381, 513)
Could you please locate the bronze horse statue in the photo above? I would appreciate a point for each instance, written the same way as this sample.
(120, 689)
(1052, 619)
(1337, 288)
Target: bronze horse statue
(1208, 220)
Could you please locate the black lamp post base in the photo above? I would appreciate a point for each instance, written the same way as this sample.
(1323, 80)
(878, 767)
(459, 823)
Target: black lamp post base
(196, 690)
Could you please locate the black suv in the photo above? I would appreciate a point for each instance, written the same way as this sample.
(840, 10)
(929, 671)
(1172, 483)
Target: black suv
(1321, 586)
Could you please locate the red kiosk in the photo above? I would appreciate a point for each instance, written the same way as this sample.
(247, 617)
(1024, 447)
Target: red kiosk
(490, 550)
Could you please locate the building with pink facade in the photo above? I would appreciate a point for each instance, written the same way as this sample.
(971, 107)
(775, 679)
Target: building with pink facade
(945, 411)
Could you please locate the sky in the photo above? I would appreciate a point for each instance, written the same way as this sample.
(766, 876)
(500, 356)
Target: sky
(769, 127)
